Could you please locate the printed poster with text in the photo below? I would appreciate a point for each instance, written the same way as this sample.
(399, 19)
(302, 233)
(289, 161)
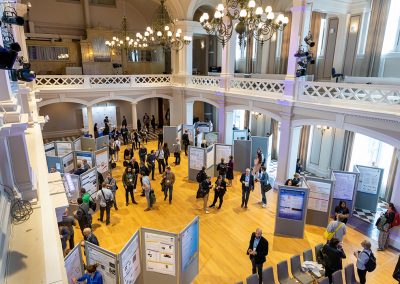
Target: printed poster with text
(160, 253)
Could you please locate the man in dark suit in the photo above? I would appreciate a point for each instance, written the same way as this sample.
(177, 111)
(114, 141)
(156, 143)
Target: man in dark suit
(247, 180)
(258, 250)
(185, 141)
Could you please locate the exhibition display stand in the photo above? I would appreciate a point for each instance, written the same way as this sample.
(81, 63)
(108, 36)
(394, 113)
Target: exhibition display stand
(170, 133)
(242, 154)
(319, 201)
(240, 134)
(344, 188)
(368, 188)
(291, 211)
(102, 158)
(108, 262)
(259, 142)
(211, 137)
(73, 264)
(129, 261)
(197, 160)
(221, 151)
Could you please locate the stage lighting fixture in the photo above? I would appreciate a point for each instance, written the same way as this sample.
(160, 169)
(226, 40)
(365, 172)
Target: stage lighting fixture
(10, 17)
(301, 53)
(309, 40)
(302, 64)
(300, 72)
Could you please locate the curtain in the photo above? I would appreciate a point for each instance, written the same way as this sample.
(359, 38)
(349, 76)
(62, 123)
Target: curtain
(303, 145)
(376, 34)
(285, 46)
(392, 175)
(315, 28)
(274, 131)
(347, 150)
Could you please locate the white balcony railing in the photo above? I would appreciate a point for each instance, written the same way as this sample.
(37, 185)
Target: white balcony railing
(257, 85)
(207, 82)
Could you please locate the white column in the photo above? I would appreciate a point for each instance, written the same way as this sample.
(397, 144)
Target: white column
(86, 13)
(6, 93)
(228, 61)
(185, 59)
(221, 117)
(229, 127)
(394, 237)
(90, 120)
(6, 173)
(189, 113)
(134, 116)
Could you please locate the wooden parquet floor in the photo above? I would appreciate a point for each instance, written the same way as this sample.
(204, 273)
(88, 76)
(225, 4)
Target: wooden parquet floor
(224, 233)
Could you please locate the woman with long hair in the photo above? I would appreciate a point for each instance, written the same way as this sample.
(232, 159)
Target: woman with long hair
(384, 227)
(229, 172)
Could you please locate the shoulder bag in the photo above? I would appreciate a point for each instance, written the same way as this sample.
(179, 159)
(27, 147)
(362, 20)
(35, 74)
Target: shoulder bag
(329, 235)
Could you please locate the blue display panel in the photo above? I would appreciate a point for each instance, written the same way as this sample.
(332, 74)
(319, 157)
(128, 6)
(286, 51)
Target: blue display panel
(291, 204)
(190, 244)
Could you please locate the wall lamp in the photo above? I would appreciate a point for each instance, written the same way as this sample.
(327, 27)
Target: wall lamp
(323, 128)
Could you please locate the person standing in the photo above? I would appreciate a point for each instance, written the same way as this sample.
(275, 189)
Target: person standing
(117, 147)
(139, 125)
(153, 123)
(205, 187)
(333, 254)
(147, 190)
(247, 180)
(362, 259)
(85, 165)
(106, 200)
(229, 172)
(106, 129)
(142, 153)
(160, 160)
(386, 220)
(185, 141)
(69, 222)
(128, 180)
(128, 154)
(91, 277)
(79, 169)
(338, 228)
(106, 120)
(95, 131)
(146, 120)
(219, 191)
(151, 163)
(112, 185)
(258, 250)
(125, 133)
(342, 210)
(124, 123)
(82, 215)
(168, 179)
(166, 153)
(143, 135)
(257, 162)
(160, 139)
(265, 186)
(90, 237)
(177, 152)
(136, 140)
(222, 168)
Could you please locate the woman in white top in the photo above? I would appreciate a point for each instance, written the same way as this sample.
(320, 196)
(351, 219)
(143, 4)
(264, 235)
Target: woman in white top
(117, 147)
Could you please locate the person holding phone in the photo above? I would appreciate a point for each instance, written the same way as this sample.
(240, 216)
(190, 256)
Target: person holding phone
(258, 250)
(247, 181)
(333, 254)
(362, 259)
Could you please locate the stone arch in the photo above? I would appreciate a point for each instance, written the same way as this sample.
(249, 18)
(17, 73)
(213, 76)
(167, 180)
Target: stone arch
(149, 96)
(260, 110)
(205, 100)
(195, 4)
(63, 100)
(114, 98)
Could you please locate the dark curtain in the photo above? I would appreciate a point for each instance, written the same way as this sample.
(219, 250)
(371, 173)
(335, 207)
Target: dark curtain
(347, 150)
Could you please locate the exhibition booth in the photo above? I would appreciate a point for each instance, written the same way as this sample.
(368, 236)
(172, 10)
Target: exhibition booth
(149, 256)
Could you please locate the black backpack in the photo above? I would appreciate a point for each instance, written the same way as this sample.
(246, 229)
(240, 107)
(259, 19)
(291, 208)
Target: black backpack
(198, 177)
(370, 265)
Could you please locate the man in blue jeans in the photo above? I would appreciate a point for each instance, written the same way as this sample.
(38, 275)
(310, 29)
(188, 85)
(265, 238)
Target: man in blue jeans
(247, 181)
(265, 186)
(168, 182)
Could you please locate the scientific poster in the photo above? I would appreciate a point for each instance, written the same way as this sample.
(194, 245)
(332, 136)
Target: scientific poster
(50, 149)
(190, 244)
(130, 261)
(196, 158)
(89, 181)
(80, 156)
(319, 195)
(73, 264)
(211, 138)
(63, 148)
(291, 204)
(160, 253)
(240, 135)
(68, 163)
(102, 142)
(210, 156)
(344, 185)
(107, 263)
(369, 179)
(78, 145)
(222, 151)
(71, 184)
(102, 160)
(190, 132)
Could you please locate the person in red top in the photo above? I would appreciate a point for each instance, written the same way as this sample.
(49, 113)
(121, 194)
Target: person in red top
(389, 215)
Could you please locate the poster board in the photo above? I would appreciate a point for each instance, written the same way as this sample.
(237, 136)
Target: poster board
(368, 188)
(210, 156)
(211, 138)
(54, 162)
(169, 136)
(102, 142)
(73, 264)
(189, 248)
(88, 180)
(240, 134)
(50, 149)
(259, 142)
(197, 160)
(68, 164)
(222, 151)
(81, 155)
(108, 264)
(129, 261)
(190, 132)
(291, 211)
(202, 127)
(77, 144)
(71, 185)
(160, 257)
(63, 148)
(344, 188)
(88, 144)
(319, 201)
(101, 157)
(242, 154)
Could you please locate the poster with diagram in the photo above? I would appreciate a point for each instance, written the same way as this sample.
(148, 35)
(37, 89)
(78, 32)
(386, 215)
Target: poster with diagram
(129, 260)
(319, 195)
(73, 264)
(68, 163)
(107, 262)
(160, 253)
(369, 179)
(196, 158)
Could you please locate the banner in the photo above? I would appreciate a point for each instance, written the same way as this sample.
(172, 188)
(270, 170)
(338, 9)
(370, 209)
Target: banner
(68, 163)
(50, 149)
(222, 151)
(190, 244)
(63, 148)
(196, 158)
(78, 145)
(89, 181)
(210, 156)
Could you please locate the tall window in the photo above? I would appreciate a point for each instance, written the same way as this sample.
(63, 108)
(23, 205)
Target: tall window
(321, 39)
(238, 118)
(48, 53)
(241, 50)
(391, 42)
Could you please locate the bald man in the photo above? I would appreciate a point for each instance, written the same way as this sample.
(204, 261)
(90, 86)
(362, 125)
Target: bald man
(258, 250)
(89, 237)
(247, 181)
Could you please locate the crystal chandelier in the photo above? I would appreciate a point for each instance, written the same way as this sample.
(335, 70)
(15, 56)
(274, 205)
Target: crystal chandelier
(249, 19)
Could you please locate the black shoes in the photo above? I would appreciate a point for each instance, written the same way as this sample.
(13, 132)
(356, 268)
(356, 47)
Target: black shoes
(134, 202)
(242, 205)
(165, 198)
(212, 205)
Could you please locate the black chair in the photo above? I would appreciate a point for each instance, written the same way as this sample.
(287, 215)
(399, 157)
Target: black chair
(252, 279)
(337, 277)
(318, 254)
(336, 75)
(324, 280)
(295, 267)
(283, 273)
(268, 275)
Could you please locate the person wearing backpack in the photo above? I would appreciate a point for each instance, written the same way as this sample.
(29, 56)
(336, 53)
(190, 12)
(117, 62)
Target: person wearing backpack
(366, 261)
(384, 224)
(336, 229)
(333, 255)
(112, 185)
(82, 215)
(222, 168)
(106, 200)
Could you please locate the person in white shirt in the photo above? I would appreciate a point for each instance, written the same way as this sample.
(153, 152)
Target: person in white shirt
(117, 147)
(106, 200)
(147, 190)
(160, 160)
(338, 227)
(362, 259)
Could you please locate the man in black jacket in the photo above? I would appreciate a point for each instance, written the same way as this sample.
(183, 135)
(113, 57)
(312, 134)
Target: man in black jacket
(185, 141)
(333, 255)
(247, 181)
(258, 250)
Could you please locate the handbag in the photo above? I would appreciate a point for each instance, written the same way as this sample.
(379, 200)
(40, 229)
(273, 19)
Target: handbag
(382, 221)
(329, 235)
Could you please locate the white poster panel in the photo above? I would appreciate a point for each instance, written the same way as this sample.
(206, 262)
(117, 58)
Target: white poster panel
(73, 264)
(102, 160)
(78, 145)
(318, 198)
(210, 156)
(240, 135)
(89, 181)
(129, 258)
(211, 138)
(222, 151)
(107, 262)
(68, 163)
(50, 149)
(71, 184)
(63, 148)
(190, 244)
(190, 132)
(160, 253)
(369, 179)
(80, 156)
(344, 185)
(196, 158)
